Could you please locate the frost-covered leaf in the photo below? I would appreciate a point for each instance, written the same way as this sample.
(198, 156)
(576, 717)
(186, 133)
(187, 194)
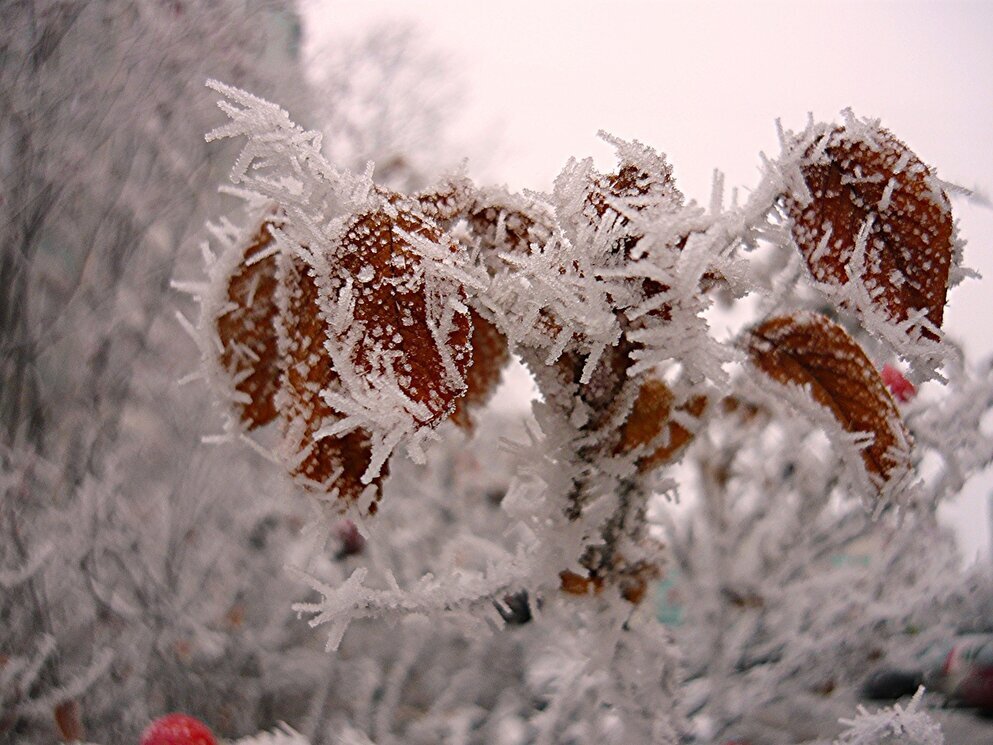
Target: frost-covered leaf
(451, 198)
(641, 186)
(490, 355)
(875, 216)
(543, 292)
(508, 225)
(246, 329)
(809, 351)
(646, 254)
(652, 423)
(409, 329)
(332, 463)
(643, 181)
(507, 222)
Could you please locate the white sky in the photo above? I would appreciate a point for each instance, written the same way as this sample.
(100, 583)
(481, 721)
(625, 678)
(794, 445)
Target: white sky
(704, 83)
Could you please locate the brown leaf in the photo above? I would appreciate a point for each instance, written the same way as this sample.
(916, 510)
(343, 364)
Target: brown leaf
(634, 185)
(910, 242)
(744, 411)
(446, 201)
(809, 350)
(307, 370)
(634, 580)
(651, 413)
(576, 584)
(503, 223)
(639, 187)
(489, 356)
(395, 309)
(506, 223)
(248, 334)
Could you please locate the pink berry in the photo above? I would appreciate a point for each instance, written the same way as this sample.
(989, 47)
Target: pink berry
(177, 729)
(901, 388)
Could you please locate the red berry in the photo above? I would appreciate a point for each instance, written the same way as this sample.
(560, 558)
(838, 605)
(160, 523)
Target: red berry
(901, 388)
(177, 729)
(352, 541)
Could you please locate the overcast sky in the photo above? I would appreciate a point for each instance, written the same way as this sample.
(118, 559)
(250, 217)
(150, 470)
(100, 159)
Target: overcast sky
(704, 83)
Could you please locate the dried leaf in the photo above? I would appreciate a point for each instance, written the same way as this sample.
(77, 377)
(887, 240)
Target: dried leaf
(642, 182)
(635, 186)
(446, 201)
(576, 584)
(745, 411)
(633, 581)
(809, 350)
(869, 178)
(408, 329)
(523, 250)
(651, 414)
(332, 462)
(248, 334)
(505, 223)
(489, 356)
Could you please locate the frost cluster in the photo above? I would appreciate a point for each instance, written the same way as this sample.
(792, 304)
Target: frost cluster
(889, 726)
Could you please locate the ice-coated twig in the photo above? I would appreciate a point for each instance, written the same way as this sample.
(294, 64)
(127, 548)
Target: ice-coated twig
(910, 725)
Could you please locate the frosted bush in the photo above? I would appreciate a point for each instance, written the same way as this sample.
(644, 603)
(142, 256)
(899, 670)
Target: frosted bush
(386, 314)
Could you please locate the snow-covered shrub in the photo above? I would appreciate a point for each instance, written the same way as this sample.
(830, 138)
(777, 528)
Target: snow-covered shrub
(360, 320)
(118, 530)
(786, 588)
